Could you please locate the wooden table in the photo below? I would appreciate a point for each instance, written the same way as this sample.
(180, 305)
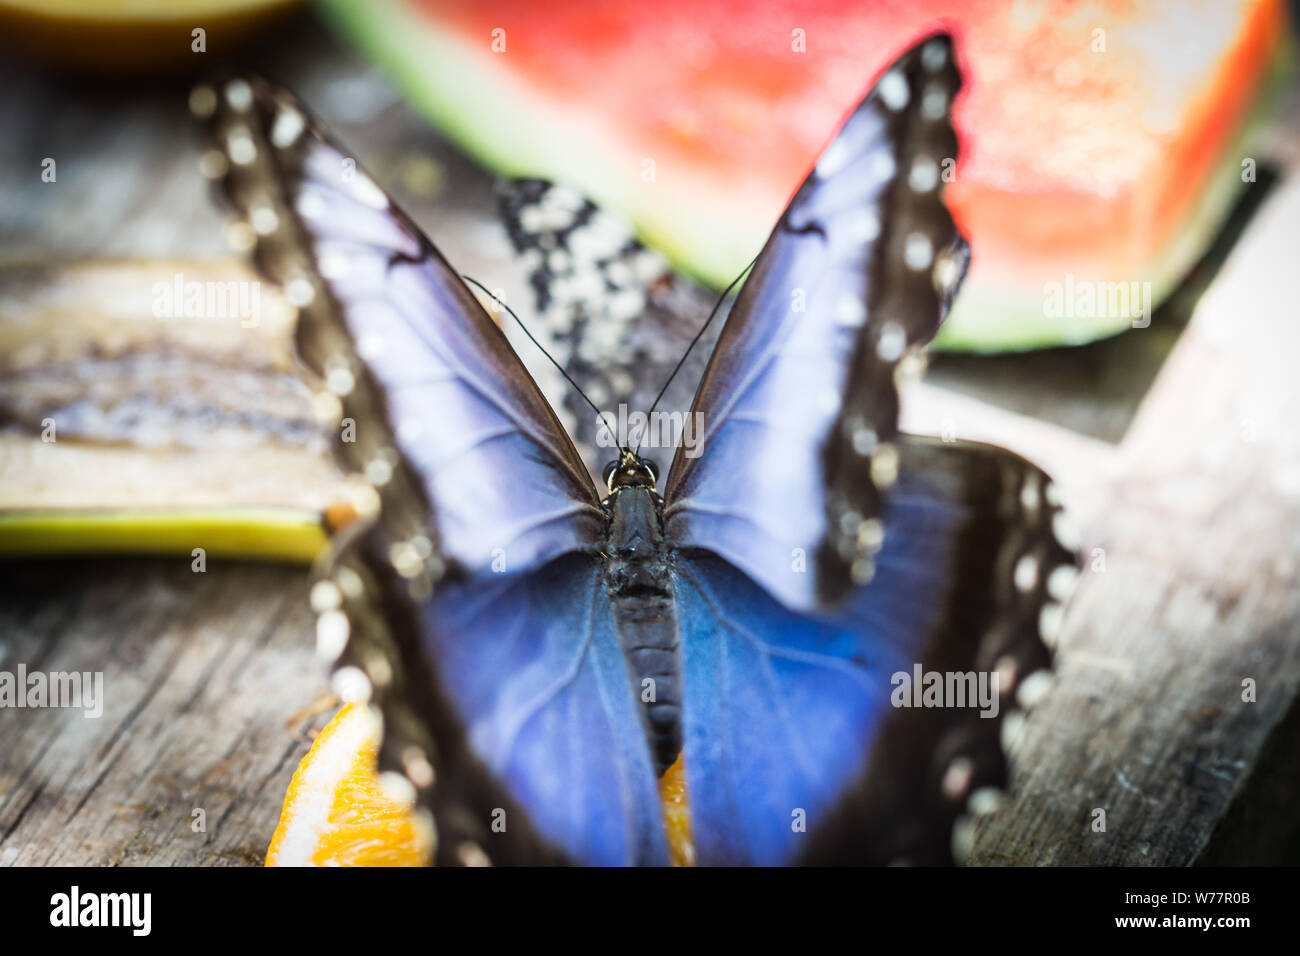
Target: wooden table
(1176, 446)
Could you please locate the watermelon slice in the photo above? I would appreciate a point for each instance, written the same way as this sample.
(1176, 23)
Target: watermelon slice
(1103, 143)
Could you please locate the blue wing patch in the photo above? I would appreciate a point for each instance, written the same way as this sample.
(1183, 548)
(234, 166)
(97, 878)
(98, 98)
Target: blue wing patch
(781, 708)
(799, 395)
(534, 665)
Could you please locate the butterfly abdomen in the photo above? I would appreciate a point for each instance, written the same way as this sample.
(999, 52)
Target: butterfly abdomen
(645, 612)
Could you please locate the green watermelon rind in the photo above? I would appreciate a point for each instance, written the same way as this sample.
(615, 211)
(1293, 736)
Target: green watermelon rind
(481, 108)
(502, 122)
(998, 317)
(497, 118)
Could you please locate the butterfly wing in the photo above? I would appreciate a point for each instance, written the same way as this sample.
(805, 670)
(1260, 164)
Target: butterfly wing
(799, 404)
(560, 722)
(422, 341)
(822, 554)
(611, 312)
(482, 501)
(795, 750)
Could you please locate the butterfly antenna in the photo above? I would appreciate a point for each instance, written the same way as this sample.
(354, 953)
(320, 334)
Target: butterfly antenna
(698, 335)
(531, 338)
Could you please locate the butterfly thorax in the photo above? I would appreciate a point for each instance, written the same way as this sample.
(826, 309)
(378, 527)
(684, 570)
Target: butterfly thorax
(639, 581)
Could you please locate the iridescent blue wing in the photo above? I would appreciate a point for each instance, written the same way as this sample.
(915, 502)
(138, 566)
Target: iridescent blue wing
(559, 723)
(506, 706)
(799, 403)
(795, 750)
(611, 312)
(520, 732)
(464, 413)
(821, 554)
(792, 750)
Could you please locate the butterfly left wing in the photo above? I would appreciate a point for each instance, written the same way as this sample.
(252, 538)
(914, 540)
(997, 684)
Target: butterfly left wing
(799, 401)
(323, 228)
(469, 613)
(506, 707)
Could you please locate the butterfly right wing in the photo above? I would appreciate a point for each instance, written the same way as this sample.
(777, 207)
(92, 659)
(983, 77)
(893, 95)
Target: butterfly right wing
(490, 649)
(799, 399)
(998, 605)
(799, 745)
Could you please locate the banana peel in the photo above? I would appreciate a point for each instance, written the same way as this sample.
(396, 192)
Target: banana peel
(143, 413)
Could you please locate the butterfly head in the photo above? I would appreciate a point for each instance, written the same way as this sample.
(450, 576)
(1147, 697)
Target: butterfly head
(630, 471)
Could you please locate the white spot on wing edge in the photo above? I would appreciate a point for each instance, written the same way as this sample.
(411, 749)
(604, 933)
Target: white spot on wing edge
(934, 102)
(203, 101)
(934, 56)
(1011, 732)
(1049, 623)
(1026, 573)
(332, 632)
(1066, 532)
(1034, 688)
(924, 174)
(1061, 582)
(240, 146)
(957, 778)
(918, 251)
(892, 342)
(986, 800)
(288, 126)
(893, 91)
(351, 685)
(963, 838)
(239, 95)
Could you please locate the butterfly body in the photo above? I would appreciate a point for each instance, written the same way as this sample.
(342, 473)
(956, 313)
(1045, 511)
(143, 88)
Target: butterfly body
(639, 580)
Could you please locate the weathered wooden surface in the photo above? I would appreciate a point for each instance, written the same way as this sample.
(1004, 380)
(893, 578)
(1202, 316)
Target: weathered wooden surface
(1176, 448)
(1196, 515)
(204, 678)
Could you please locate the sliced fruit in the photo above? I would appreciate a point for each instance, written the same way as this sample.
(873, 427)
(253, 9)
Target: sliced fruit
(134, 36)
(131, 424)
(290, 535)
(1100, 140)
(677, 814)
(336, 811)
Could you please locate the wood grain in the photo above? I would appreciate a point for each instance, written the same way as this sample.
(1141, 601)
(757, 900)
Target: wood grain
(1197, 516)
(205, 678)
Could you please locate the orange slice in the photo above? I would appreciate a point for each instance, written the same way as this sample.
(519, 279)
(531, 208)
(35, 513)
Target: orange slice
(336, 812)
(677, 814)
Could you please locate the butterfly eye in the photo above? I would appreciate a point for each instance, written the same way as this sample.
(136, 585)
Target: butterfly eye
(609, 473)
(649, 465)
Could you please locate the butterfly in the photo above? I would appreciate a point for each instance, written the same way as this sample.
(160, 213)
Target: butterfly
(548, 651)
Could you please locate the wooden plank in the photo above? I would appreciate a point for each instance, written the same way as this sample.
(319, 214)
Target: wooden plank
(1197, 518)
(209, 681)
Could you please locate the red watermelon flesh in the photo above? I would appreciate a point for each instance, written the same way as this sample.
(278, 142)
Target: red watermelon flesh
(1101, 141)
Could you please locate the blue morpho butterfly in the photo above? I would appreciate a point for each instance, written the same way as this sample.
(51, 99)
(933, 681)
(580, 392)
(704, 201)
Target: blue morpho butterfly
(541, 652)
